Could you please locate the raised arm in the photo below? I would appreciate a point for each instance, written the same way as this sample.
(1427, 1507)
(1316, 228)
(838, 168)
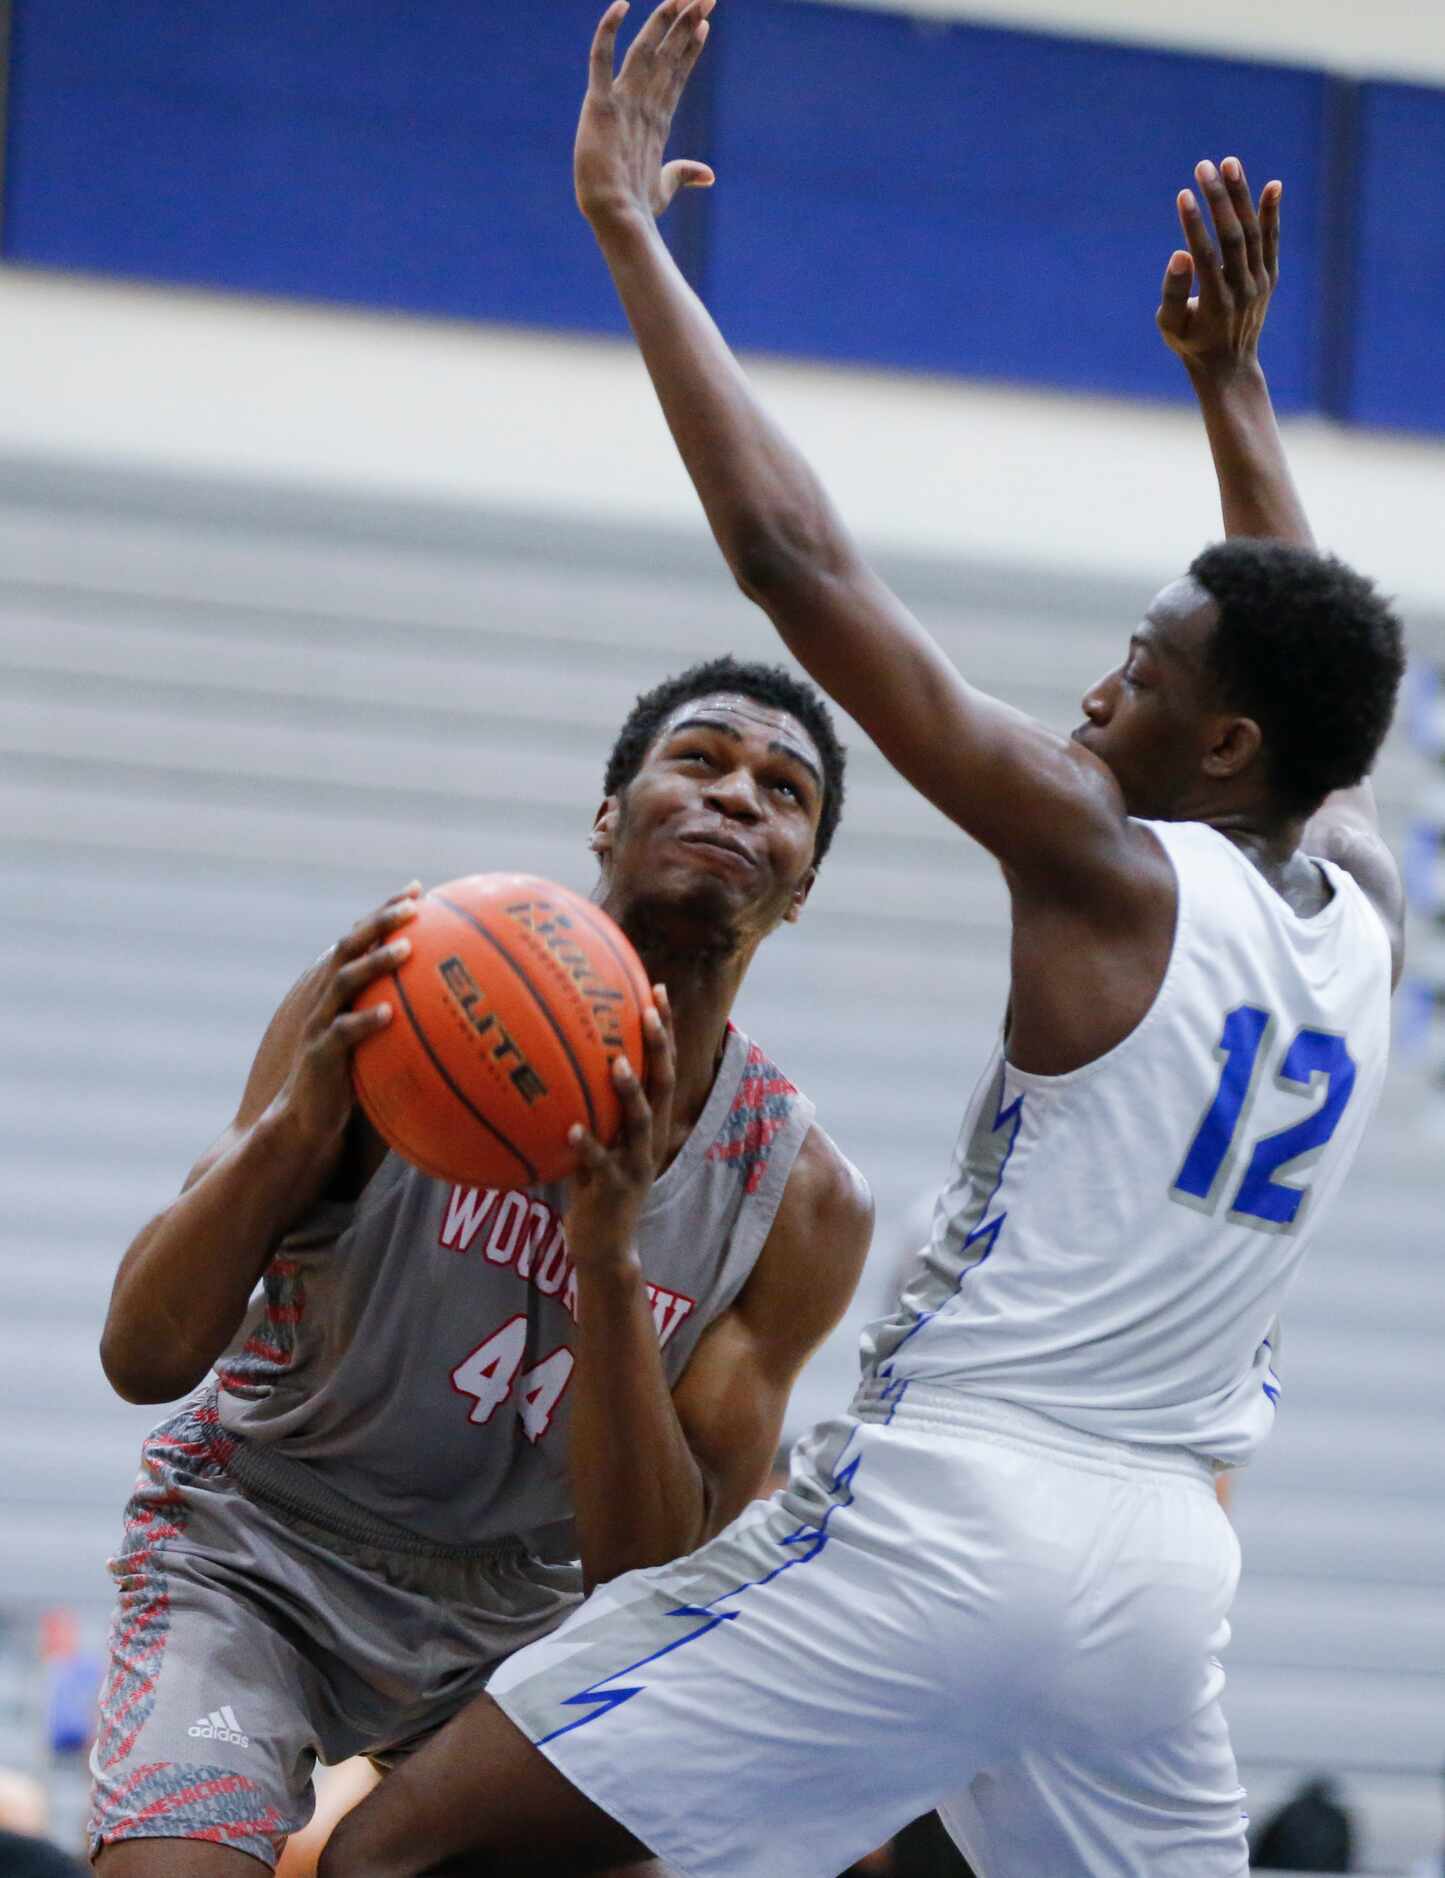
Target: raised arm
(1216, 333)
(184, 1282)
(1042, 804)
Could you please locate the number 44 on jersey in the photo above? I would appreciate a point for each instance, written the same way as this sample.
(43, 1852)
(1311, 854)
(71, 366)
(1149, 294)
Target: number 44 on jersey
(489, 1374)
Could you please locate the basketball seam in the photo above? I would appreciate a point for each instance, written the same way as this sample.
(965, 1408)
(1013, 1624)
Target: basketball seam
(460, 1094)
(538, 998)
(624, 963)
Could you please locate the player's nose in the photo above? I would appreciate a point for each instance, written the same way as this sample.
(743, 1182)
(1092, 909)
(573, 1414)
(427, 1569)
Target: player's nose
(735, 793)
(1095, 703)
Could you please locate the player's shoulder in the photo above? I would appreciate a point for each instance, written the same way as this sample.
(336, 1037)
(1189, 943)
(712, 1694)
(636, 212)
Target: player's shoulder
(1358, 849)
(825, 1219)
(824, 1181)
(814, 1253)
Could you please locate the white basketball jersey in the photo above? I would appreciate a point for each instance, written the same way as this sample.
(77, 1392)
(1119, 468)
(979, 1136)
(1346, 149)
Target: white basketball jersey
(1114, 1245)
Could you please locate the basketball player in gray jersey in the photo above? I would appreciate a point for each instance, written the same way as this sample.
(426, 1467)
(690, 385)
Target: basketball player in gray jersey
(999, 1582)
(440, 1397)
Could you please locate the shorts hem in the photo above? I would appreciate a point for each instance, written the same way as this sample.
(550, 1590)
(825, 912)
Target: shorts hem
(96, 1843)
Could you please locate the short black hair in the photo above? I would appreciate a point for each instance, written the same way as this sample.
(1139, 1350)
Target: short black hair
(767, 684)
(1306, 647)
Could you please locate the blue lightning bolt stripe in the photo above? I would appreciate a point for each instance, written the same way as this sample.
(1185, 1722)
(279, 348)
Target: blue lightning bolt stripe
(985, 1234)
(1271, 1385)
(810, 1539)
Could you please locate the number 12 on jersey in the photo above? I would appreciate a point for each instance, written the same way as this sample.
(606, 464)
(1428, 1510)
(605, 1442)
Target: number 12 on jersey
(1262, 1199)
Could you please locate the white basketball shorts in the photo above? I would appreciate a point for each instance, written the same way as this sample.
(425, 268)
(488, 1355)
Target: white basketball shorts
(954, 1603)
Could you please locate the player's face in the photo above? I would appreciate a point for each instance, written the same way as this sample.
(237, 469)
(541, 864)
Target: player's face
(722, 815)
(1150, 719)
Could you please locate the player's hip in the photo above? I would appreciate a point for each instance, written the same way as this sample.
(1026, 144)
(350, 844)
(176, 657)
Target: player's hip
(910, 1567)
(378, 1609)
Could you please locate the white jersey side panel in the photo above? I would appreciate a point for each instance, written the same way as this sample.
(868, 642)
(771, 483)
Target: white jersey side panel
(1114, 1245)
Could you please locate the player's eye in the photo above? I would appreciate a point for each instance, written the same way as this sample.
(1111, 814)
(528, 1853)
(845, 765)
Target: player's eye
(785, 786)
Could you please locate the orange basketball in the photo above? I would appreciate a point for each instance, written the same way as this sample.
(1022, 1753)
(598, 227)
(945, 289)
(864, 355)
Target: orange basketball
(506, 1018)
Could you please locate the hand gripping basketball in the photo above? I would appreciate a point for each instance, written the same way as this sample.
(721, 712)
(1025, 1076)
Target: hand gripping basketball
(611, 1185)
(317, 1095)
(515, 998)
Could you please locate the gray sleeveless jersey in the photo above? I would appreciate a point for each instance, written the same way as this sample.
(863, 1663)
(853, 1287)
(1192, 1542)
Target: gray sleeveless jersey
(406, 1362)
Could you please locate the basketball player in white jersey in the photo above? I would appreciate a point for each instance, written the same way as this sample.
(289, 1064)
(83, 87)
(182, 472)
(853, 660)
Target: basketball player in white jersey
(999, 1583)
(442, 1396)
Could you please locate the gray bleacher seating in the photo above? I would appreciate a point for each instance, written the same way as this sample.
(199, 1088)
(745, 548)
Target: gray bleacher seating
(232, 719)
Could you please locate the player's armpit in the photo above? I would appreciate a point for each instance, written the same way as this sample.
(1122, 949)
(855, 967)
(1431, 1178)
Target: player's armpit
(733, 1395)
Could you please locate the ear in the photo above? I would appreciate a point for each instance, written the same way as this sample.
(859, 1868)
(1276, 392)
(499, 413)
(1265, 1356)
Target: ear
(1237, 743)
(604, 829)
(800, 897)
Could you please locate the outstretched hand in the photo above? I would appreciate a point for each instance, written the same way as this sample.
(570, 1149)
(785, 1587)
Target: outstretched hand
(1219, 325)
(611, 1185)
(617, 163)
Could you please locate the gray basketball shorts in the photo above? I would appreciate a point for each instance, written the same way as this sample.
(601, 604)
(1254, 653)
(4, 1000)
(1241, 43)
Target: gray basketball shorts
(954, 1603)
(247, 1644)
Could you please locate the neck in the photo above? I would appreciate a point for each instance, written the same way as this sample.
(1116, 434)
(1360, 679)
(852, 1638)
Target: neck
(702, 980)
(1271, 844)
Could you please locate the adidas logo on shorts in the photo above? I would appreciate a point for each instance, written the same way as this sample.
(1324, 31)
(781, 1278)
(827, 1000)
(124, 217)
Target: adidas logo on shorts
(220, 1725)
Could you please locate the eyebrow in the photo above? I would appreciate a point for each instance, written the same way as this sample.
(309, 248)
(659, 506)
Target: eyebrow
(1153, 641)
(777, 747)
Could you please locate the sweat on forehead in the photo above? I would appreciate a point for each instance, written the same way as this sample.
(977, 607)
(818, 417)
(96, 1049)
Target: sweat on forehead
(735, 710)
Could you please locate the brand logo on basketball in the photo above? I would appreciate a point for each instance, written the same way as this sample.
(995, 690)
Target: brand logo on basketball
(553, 929)
(509, 1012)
(467, 994)
(220, 1725)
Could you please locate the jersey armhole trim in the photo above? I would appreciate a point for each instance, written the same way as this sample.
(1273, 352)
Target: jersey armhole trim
(1033, 1081)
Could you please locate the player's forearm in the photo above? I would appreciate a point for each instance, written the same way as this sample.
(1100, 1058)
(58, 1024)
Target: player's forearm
(184, 1283)
(639, 1492)
(1256, 489)
(767, 509)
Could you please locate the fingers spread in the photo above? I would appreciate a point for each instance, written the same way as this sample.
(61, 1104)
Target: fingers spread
(1201, 247)
(1226, 226)
(1174, 295)
(636, 1110)
(681, 49)
(656, 29)
(352, 1026)
(1237, 186)
(1269, 201)
(685, 174)
(604, 47)
(591, 1155)
(661, 1056)
(371, 965)
(366, 932)
(689, 20)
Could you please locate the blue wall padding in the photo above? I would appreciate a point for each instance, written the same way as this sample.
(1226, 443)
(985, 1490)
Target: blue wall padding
(1398, 376)
(961, 199)
(943, 197)
(411, 155)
